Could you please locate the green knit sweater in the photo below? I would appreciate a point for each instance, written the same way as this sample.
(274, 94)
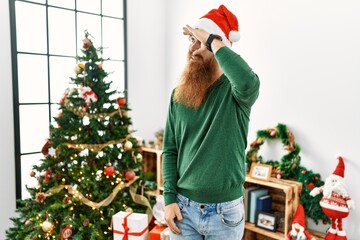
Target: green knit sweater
(204, 148)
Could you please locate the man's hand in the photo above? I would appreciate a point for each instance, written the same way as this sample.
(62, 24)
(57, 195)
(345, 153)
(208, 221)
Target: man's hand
(199, 34)
(172, 211)
(203, 36)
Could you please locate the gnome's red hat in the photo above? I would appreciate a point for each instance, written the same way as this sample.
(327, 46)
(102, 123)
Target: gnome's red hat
(299, 218)
(221, 22)
(340, 169)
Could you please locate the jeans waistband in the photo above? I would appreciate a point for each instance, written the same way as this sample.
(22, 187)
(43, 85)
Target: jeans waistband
(218, 207)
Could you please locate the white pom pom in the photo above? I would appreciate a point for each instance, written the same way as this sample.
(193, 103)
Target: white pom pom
(234, 36)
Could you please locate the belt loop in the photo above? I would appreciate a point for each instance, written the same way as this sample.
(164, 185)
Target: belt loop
(218, 208)
(187, 201)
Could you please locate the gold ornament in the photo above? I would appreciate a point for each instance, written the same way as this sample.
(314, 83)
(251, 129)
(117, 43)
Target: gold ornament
(47, 226)
(128, 145)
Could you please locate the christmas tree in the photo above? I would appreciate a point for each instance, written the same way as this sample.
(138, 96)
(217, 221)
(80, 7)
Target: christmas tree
(92, 164)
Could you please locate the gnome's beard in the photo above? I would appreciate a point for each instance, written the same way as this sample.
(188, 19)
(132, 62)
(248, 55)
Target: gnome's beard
(334, 185)
(195, 80)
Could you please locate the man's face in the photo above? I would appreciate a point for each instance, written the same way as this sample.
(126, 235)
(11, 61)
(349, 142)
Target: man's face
(197, 76)
(198, 52)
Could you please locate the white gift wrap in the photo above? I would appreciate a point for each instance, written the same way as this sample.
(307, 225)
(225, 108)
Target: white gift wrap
(130, 226)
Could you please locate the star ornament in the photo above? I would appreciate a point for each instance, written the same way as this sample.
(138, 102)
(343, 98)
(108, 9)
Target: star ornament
(52, 151)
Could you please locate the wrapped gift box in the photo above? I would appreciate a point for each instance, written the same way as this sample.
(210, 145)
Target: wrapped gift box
(156, 231)
(130, 226)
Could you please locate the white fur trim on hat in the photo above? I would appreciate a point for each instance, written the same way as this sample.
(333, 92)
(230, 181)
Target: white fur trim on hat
(211, 27)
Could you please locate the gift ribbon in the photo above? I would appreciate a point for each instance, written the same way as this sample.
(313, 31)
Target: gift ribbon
(126, 230)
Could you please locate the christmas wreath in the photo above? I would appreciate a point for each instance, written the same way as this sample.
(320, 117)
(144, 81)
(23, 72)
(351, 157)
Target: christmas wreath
(289, 163)
(289, 167)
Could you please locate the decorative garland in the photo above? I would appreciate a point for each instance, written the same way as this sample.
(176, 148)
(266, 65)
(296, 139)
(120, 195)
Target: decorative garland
(289, 163)
(80, 112)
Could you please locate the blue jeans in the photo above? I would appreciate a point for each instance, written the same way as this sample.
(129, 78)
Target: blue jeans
(214, 221)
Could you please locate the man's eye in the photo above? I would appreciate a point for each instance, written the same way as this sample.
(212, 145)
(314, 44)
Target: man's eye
(192, 39)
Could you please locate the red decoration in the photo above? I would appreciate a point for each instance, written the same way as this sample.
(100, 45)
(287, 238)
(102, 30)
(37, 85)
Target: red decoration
(66, 233)
(129, 175)
(298, 227)
(48, 174)
(109, 171)
(40, 197)
(336, 202)
(121, 101)
(303, 172)
(86, 43)
(45, 148)
(310, 185)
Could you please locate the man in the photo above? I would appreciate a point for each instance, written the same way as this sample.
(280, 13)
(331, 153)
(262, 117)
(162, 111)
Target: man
(205, 134)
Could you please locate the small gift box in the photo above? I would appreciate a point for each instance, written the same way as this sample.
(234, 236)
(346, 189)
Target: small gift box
(130, 226)
(165, 235)
(156, 231)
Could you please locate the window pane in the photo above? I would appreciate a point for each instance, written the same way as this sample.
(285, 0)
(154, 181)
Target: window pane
(116, 74)
(62, 32)
(113, 40)
(34, 127)
(32, 74)
(30, 27)
(61, 69)
(113, 8)
(91, 23)
(37, 1)
(55, 112)
(27, 163)
(92, 6)
(62, 3)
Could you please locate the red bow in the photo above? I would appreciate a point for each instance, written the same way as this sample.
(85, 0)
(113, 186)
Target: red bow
(126, 230)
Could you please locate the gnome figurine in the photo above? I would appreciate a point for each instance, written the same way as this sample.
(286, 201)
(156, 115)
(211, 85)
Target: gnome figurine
(298, 227)
(335, 203)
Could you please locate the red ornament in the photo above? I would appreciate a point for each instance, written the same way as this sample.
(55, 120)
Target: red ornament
(86, 43)
(66, 233)
(325, 222)
(316, 178)
(109, 170)
(129, 175)
(310, 185)
(303, 172)
(121, 101)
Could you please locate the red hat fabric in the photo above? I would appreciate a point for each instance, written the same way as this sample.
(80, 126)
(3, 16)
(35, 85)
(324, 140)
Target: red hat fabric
(221, 22)
(340, 169)
(299, 216)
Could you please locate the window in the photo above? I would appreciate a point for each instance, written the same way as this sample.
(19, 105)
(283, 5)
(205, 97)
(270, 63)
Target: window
(46, 38)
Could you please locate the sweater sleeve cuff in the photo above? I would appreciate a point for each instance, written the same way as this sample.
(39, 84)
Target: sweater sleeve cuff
(169, 198)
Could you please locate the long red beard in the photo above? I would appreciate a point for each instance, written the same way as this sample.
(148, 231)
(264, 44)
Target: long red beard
(195, 80)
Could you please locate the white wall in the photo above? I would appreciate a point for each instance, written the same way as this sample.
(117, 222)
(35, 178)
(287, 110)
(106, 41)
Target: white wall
(305, 52)
(147, 66)
(307, 55)
(7, 165)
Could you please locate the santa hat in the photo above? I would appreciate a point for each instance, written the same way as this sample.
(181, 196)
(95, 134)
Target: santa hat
(340, 169)
(299, 218)
(221, 22)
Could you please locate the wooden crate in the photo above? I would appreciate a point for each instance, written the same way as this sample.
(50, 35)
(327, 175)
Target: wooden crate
(153, 163)
(286, 199)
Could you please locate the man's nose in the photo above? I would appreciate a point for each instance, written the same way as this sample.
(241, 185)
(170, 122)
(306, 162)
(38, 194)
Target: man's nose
(194, 46)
